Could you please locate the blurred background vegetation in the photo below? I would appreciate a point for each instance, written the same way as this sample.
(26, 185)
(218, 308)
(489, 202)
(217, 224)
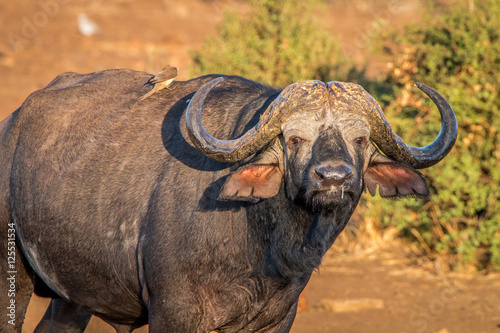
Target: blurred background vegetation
(278, 43)
(454, 49)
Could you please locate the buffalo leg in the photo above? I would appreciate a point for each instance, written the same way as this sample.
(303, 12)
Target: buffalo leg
(119, 328)
(62, 316)
(122, 328)
(174, 318)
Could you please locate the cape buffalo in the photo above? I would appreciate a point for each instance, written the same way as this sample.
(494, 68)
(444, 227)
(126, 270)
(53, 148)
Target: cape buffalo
(150, 212)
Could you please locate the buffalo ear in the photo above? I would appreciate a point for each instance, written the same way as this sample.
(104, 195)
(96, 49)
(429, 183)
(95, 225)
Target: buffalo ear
(257, 179)
(252, 182)
(394, 179)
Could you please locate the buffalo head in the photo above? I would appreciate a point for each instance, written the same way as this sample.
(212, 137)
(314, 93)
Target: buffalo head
(322, 141)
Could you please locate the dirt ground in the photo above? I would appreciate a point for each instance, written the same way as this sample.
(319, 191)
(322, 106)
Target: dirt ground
(382, 291)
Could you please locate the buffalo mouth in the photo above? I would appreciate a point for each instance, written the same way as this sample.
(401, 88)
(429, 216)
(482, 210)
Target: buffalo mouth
(326, 200)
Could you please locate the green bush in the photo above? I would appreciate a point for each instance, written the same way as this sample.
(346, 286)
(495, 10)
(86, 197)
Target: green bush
(458, 53)
(279, 42)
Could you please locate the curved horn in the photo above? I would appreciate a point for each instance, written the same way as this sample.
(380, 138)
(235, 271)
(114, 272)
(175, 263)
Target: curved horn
(418, 157)
(269, 126)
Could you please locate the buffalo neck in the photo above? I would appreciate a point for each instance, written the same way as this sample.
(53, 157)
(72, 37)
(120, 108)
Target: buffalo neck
(294, 240)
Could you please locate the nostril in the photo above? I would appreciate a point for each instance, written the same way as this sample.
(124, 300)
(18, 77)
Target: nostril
(319, 173)
(329, 172)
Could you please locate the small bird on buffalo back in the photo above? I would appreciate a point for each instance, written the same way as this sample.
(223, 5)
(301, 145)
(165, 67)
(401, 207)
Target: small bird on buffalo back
(162, 80)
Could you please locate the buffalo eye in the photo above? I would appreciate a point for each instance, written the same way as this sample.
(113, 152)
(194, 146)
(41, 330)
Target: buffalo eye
(360, 141)
(295, 141)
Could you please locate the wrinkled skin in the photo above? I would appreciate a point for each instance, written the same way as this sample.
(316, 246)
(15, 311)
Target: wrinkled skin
(119, 216)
